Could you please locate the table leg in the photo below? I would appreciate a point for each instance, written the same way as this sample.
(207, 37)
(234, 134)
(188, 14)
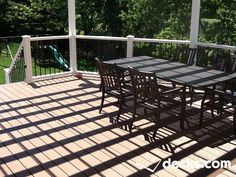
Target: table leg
(183, 108)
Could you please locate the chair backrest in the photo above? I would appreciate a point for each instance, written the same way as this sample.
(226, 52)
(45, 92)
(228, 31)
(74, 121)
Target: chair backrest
(233, 61)
(224, 62)
(185, 55)
(111, 76)
(144, 85)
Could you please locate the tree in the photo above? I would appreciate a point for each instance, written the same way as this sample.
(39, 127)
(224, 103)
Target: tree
(88, 15)
(35, 17)
(149, 18)
(218, 23)
(143, 18)
(3, 9)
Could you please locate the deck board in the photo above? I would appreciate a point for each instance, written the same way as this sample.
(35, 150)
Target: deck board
(53, 128)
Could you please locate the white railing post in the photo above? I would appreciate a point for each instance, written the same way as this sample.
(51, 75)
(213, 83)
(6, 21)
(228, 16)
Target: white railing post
(7, 78)
(130, 46)
(72, 34)
(195, 18)
(28, 59)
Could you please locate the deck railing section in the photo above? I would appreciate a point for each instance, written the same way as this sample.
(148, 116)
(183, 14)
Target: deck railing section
(106, 48)
(16, 71)
(208, 52)
(42, 53)
(50, 57)
(160, 48)
(103, 47)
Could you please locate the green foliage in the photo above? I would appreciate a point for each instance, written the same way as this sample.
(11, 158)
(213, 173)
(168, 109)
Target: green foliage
(168, 19)
(35, 17)
(218, 23)
(5, 60)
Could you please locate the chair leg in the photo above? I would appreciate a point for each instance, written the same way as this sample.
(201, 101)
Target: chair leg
(201, 117)
(212, 99)
(131, 123)
(202, 110)
(102, 101)
(157, 118)
(173, 86)
(191, 91)
(100, 87)
(120, 109)
(133, 118)
(221, 106)
(145, 111)
(234, 119)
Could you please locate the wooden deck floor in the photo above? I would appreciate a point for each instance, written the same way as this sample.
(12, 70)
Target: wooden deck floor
(53, 128)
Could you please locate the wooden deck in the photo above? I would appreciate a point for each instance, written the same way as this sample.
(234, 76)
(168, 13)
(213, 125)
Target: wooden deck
(53, 128)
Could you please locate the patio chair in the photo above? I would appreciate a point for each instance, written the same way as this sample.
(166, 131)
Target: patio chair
(222, 102)
(148, 95)
(112, 83)
(126, 74)
(185, 55)
(221, 98)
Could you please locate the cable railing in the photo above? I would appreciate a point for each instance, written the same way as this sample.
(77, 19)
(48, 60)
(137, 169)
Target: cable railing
(16, 71)
(51, 56)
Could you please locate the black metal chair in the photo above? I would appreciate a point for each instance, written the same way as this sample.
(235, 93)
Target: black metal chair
(220, 101)
(221, 97)
(112, 83)
(147, 94)
(185, 55)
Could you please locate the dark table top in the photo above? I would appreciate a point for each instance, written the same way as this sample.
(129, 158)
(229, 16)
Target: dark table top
(179, 73)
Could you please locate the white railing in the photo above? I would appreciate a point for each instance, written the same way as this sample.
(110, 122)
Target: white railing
(210, 45)
(73, 60)
(73, 53)
(163, 41)
(47, 38)
(28, 58)
(108, 38)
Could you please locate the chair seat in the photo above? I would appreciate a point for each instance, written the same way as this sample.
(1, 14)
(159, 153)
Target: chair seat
(117, 93)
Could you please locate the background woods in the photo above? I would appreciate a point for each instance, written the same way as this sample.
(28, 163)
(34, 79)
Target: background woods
(141, 18)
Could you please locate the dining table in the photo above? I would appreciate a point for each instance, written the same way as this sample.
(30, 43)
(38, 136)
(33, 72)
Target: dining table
(191, 76)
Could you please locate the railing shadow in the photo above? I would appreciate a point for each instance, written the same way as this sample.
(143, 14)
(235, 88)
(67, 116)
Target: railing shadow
(69, 118)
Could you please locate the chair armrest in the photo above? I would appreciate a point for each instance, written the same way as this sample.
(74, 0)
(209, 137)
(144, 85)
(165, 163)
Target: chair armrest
(173, 90)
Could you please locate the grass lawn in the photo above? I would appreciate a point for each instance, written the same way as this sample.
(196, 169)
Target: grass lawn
(5, 59)
(5, 62)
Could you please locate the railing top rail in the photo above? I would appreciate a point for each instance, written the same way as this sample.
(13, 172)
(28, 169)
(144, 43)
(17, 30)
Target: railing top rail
(228, 47)
(161, 41)
(219, 46)
(49, 38)
(101, 37)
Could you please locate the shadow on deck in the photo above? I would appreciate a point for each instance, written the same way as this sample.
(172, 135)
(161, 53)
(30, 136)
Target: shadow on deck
(53, 128)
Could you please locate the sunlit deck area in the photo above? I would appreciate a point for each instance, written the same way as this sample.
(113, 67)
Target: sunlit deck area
(53, 128)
